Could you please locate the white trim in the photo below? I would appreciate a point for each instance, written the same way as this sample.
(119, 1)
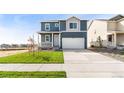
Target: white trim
(45, 38)
(49, 32)
(38, 41)
(56, 24)
(47, 24)
(112, 21)
(73, 17)
(52, 39)
(115, 39)
(50, 21)
(120, 20)
(75, 31)
(73, 25)
(59, 25)
(59, 40)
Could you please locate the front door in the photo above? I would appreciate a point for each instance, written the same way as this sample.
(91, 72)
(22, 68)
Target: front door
(56, 40)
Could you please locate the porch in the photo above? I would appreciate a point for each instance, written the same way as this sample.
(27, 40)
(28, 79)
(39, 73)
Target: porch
(49, 40)
(115, 39)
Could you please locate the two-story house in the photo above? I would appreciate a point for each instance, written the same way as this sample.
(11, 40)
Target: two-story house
(65, 34)
(110, 32)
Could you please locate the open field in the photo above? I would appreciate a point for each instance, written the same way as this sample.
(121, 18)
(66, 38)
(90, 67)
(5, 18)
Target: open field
(10, 49)
(10, 52)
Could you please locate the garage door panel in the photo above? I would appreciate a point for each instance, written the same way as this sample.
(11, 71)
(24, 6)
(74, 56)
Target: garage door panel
(73, 43)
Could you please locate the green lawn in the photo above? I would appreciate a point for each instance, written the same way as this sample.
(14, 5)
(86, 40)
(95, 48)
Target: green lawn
(18, 74)
(39, 57)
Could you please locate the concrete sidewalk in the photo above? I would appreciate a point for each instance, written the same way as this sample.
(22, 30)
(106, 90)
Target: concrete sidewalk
(31, 67)
(64, 67)
(72, 70)
(78, 64)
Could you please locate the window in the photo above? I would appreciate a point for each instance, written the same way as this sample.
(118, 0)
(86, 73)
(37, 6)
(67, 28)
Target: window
(110, 38)
(56, 24)
(47, 38)
(47, 27)
(73, 25)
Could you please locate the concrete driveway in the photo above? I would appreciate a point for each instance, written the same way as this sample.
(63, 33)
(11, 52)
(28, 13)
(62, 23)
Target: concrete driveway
(85, 63)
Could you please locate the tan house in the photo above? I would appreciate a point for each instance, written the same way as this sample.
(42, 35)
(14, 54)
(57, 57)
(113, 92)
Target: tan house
(108, 33)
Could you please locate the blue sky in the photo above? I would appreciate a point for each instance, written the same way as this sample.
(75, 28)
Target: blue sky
(17, 28)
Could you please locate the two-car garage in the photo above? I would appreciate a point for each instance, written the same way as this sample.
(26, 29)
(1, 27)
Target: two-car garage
(74, 40)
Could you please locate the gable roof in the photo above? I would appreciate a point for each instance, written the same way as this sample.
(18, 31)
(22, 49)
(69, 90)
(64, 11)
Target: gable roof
(73, 17)
(116, 18)
(50, 21)
(60, 19)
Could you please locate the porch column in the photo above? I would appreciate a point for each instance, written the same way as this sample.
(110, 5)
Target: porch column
(59, 40)
(39, 38)
(38, 41)
(52, 39)
(115, 39)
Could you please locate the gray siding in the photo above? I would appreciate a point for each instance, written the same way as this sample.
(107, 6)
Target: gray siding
(52, 26)
(43, 37)
(62, 25)
(75, 35)
(42, 26)
(83, 25)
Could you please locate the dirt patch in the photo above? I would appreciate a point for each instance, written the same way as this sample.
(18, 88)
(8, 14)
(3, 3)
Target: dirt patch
(7, 53)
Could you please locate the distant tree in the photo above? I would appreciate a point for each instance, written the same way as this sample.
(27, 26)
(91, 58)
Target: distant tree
(15, 46)
(31, 45)
(23, 45)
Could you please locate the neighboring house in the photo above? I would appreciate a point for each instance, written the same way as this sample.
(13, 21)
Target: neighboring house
(64, 34)
(5, 46)
(108, 32)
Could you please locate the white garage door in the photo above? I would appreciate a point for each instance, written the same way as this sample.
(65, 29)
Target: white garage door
(73, 43)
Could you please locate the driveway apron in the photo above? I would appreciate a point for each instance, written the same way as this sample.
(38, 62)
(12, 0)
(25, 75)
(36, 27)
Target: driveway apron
(85, 63)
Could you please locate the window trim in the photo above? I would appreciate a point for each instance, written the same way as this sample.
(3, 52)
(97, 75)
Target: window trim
(73, 25)
(110, 38)
(56, 24)
(45, 38)
(47, 24)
